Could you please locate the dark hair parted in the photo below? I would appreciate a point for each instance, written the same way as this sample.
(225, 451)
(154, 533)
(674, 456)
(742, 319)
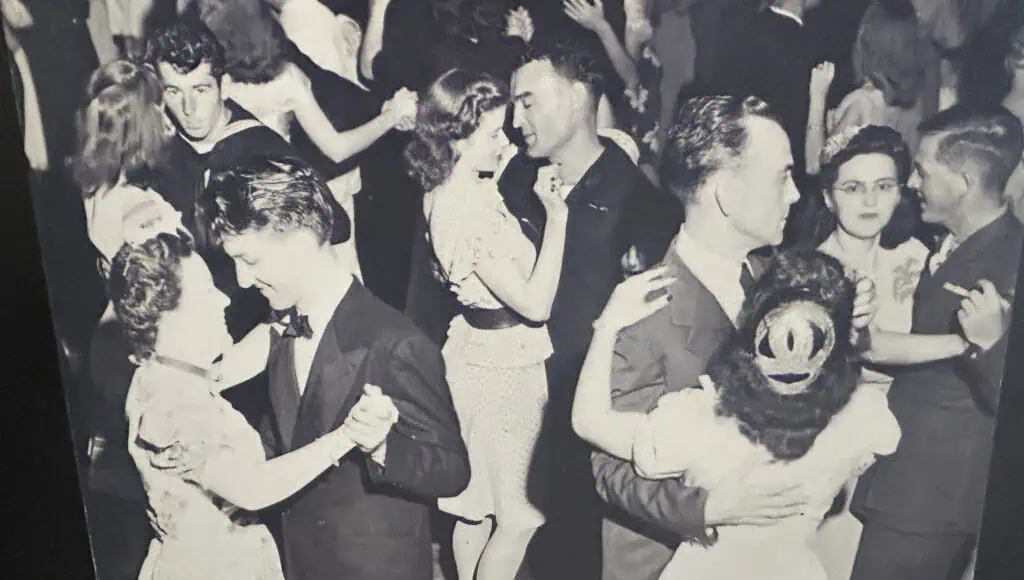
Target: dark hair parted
(572, 60)
(988, 138)
(787, 425)
(709, 134)
(891, 51)
(120, 127)
(185, 45)
(145, 283)
(254, 42)
(818, 221)
(450, 112)
(276, 192)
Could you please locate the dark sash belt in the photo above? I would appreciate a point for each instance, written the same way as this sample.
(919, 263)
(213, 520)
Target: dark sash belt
(486, 319)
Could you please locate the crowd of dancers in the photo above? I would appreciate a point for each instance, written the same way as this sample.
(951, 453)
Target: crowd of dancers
(338, 285)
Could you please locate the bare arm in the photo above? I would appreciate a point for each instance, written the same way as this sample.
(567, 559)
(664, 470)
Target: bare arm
(593, 418)
(821, 80)
(339, 146)
(373, 38)
(897, 348)
(590, 15)
(254, 485)
(532, 297)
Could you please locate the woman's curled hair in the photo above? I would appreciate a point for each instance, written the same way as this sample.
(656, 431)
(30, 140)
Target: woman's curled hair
(787, 425)
(145, 282)
(450, 112)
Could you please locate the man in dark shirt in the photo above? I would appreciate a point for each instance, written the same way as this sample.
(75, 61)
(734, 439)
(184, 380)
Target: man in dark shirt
(617, 219)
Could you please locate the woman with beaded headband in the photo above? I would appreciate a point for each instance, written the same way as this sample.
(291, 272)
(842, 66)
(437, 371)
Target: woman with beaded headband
(780, 402)
(202, 465)
(497, 343)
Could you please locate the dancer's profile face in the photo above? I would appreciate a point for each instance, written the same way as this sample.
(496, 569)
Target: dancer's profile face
(199, 318)
(482, 150)
(274, 262)
(545, 107)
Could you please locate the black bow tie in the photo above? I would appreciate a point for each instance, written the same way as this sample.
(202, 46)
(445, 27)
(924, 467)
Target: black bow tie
(296, 325)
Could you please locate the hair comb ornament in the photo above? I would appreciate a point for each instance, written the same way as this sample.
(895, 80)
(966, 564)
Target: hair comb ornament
(791, 344)
(838, 142)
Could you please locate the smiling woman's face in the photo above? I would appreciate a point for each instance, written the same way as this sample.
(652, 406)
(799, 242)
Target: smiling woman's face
(865, 194)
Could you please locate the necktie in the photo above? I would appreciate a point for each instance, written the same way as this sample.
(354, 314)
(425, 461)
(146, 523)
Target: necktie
(746, 280)
(296, 325)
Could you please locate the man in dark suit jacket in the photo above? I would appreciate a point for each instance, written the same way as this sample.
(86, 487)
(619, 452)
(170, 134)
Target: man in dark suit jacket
(614, 215)
(922, 506)
(366, 518)
(737, 198)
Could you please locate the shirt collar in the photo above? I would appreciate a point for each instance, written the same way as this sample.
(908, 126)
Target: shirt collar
(720, 275)
(322, 311)
(787, 14)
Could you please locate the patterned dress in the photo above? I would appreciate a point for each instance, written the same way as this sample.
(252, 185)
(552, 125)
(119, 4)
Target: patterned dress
(497, 377)
(175, 421)
(864, 429)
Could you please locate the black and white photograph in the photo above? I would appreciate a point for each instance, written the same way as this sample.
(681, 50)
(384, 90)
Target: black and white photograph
(530, 289)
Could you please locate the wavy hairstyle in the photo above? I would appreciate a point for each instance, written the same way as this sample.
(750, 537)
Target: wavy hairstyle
(145, 283)
(120, 128)
(709, 134)
(787, 425)
(254, 42)
(817, 221)
(185, 46)
(890, 51)
(450, 112)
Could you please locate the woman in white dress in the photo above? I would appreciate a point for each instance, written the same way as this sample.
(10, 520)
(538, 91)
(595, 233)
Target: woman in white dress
(780, 404)
(497, 345)
(203, 467)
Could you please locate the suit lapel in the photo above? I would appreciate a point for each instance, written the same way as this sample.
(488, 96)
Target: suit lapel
(696, 310)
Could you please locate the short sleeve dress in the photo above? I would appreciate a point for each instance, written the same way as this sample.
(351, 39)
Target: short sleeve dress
(674, 438)
(496, 377)
(176, 427)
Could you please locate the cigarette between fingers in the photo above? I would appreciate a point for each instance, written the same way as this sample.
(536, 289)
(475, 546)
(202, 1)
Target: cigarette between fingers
(961, 292)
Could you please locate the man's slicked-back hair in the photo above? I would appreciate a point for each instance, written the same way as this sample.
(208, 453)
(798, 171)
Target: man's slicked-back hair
(709, 134)
(185, 45)
(572, 60)
(281, 193)
(988, 138)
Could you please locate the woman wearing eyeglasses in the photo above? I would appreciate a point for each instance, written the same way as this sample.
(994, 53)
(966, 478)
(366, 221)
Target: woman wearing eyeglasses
(865, 216)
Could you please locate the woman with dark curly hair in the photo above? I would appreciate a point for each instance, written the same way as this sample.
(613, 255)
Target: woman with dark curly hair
(494, 358)
(780, 402)
(203, 466)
